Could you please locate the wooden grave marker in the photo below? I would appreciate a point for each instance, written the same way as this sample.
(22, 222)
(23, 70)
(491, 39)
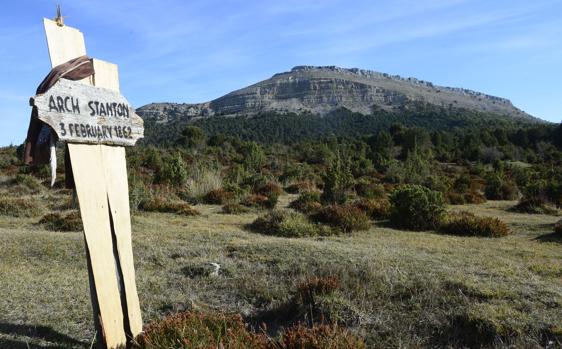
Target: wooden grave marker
(100, 175)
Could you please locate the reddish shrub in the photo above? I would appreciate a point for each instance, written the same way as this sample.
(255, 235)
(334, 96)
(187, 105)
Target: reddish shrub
(159, 204)
(219, 197)
(313, 286)
(375, 209)
(467, 224)
(319, 337)
(345, 217)
(199, 330)
(269, 189)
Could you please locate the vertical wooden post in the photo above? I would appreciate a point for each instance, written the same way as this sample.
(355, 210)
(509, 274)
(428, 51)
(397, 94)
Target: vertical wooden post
(100, 176)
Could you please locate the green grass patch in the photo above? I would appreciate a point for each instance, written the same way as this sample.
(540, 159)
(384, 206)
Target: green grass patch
(20, 207)
(289, 224)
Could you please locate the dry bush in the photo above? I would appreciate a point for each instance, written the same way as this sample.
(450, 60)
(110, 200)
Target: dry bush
(472, 197)
(219, 197)
(535, 205)
(269, 189)
(319, 337)
(202, 180)
(218, 330)
(62, 222)
(234, 209)
(307, 202)
(467, 224)
(344, 217)
(299, 187)
(20, 207)
(159, 204)
(260, 201)
(287, 223)
(374, 208)
(311, 287)
(199, 330)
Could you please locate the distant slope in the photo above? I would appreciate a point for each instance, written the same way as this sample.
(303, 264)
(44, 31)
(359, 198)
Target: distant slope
(321, 90)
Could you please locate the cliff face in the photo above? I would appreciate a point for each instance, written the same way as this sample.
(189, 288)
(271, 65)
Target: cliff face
(320, 90)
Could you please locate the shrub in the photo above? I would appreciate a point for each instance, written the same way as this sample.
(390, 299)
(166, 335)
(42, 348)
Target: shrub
(203, 179)
(192, 137)
(455, 198)
(159, 204)
(62, 222)
(500, 189)
(287, 224)
(370, 190)
(345, 217)
(218, 330)
(254, 156)
(219, 197)
(255, 200)
(472, 197)
(29, 182)
(307, 202)
(261, 201)
(299, 187)
(319, 337)
(534, 205)
(467, 224)
(269, 189)
(308, 289)
(375, 209)
(416, 207)
(138, 192)
(20, 207)
(234, 209)
(199, 330)
(173, 171)
(337, 181)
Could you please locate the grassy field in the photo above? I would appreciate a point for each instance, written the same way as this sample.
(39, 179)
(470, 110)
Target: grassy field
(398, 289)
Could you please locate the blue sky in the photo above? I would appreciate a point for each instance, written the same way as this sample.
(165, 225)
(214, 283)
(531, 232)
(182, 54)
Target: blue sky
(195, 51)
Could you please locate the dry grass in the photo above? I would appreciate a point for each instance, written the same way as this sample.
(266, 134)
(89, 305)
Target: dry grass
(398, 288)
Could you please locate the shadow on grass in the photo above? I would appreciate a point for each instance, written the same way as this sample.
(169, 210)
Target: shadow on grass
(55, 339)
(550, 237)
(282, 316)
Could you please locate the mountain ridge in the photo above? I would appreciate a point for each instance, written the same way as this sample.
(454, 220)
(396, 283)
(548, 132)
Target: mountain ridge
(322, 89)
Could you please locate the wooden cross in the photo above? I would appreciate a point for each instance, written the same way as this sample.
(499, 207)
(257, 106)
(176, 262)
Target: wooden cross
(100, 176)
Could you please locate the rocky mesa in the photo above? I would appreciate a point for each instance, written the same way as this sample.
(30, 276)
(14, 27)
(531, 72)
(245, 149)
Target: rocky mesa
(320, 90)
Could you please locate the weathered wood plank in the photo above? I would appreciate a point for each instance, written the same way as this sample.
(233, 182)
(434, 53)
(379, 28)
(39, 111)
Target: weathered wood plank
(89, 176)
(118, 194)
(116, 180)
(66, 43)
(79, 113)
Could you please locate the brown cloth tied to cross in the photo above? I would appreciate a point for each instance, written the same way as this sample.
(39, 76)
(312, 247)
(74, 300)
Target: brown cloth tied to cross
(39, 134)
